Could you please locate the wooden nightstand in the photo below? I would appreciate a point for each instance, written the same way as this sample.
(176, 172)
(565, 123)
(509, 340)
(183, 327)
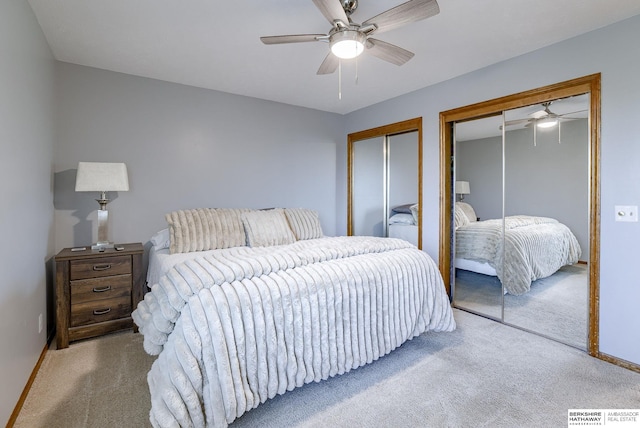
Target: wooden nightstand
(96, 291)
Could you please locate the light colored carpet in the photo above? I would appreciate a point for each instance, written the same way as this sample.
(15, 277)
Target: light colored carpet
(98, 382)
(556, 306)
(484, 374)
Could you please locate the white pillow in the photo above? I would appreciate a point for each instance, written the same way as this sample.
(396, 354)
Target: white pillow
(161, 240)
(267, 228)
(304, 223)
(401, 218)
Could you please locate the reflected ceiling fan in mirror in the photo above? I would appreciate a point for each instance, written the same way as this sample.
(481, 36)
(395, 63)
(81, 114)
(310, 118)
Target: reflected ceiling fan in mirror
(545, 119)
(348, 39)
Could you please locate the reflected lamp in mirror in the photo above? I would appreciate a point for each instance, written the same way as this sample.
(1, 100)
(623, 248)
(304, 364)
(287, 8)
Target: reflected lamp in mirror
(462, 188)
(102, 177)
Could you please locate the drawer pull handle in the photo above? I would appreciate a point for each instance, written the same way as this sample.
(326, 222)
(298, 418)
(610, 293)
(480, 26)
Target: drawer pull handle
(101, 311)
(102, 267)
(102, 290)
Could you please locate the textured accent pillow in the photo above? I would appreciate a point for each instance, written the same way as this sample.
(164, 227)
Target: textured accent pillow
(267, 228)
(468, 211)
(205, 229)
(414, 213)
(304, 223)
(460, 218)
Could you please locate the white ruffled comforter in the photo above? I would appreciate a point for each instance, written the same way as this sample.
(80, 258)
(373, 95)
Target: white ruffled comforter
(238, 327)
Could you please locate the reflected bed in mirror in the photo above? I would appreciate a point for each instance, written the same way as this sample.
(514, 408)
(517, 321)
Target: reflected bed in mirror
(517, 249)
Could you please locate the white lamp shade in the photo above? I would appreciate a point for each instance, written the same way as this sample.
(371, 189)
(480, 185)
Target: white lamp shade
(102, 177)
(462, 188)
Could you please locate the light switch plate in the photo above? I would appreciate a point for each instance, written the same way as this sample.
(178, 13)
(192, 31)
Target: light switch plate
(627, 213)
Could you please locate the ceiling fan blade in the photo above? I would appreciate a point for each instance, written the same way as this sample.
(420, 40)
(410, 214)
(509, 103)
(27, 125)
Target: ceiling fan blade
(518, 122)
(572, 113)
(333, 11)
(293, 38)
(329, 64)
(411, 11)
(388, 52)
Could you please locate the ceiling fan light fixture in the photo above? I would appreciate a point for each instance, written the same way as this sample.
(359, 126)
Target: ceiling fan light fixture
(548, 122)
(347, 44)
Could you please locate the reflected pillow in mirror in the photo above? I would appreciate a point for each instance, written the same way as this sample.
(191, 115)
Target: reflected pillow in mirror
(468, 211)
(460, 218)
(401, 218)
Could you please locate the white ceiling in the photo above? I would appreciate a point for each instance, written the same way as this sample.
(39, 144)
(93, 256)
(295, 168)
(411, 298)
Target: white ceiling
(215, 44)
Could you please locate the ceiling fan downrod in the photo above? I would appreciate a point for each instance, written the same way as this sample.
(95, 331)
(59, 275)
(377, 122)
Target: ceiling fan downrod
(349, 6)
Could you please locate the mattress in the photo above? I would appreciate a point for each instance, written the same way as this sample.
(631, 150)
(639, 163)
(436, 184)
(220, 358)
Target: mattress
(475, 266)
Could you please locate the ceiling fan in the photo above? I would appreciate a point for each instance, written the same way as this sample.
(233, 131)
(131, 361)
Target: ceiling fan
(348, 39)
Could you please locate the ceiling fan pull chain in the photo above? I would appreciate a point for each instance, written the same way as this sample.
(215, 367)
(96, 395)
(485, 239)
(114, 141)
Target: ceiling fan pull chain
(356, 70)
(339, 79)
(535, 133)
(559, 131)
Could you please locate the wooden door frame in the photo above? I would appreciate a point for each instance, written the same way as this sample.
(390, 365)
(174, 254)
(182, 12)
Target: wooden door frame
(582, 85)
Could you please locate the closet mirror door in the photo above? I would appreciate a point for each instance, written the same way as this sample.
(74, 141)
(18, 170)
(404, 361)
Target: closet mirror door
(547, 219)
(368, 187)
(385, 181)
(403, 187)
(477, 216)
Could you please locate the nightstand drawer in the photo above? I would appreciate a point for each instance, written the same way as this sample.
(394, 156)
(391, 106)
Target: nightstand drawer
(100, 310)
(104, 266)
(87, 290)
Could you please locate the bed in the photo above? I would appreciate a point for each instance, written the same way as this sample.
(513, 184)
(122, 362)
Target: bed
(403, 223)
(532, 248)
(250, 304)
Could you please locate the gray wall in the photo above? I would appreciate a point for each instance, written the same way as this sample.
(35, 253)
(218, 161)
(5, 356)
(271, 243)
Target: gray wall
(26, 213)
(185, 148)
(612, 51)
(549, 179)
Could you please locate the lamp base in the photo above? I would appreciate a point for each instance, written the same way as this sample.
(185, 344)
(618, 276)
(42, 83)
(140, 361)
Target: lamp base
(102, 245)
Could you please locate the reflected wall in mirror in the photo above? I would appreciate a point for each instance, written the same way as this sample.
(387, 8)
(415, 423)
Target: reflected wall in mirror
(546, 233)
(478, 161)
(385, 182)
(369, 188)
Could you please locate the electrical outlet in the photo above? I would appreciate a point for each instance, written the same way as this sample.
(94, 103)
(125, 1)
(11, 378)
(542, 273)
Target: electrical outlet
(626, 213)
(40, 323)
